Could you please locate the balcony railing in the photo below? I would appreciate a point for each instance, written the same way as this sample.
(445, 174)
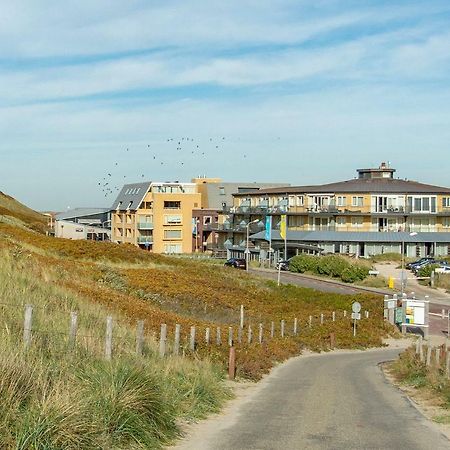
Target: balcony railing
(145, 225)
(145, 239)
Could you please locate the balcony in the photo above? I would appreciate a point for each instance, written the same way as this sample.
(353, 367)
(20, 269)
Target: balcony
(145, 225)
(145, 239)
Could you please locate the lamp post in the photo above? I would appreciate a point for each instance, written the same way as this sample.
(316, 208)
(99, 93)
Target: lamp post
(247, 250)
(402, 280)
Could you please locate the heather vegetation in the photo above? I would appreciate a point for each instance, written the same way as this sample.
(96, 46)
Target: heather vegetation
(57, 395)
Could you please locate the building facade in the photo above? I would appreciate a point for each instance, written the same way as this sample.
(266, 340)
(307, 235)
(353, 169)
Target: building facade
(156, 216)
(371, 214)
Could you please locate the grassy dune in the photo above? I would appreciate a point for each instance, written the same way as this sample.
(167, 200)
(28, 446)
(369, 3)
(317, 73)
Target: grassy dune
(62, 397)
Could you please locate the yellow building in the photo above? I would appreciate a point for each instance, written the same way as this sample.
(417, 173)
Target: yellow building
(155, 216)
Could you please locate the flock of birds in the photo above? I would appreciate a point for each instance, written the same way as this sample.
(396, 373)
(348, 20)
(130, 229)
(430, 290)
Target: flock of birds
(186, 149)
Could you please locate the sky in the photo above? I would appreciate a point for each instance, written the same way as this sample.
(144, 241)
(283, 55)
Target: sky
(301, 92)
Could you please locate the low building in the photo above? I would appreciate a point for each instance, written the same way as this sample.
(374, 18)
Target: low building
(83, 223)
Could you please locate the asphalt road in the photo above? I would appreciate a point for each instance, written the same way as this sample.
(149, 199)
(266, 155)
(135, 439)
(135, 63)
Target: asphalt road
(334, 401)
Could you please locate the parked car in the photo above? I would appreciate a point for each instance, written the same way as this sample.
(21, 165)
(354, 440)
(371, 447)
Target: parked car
(419, 261)
(283, 264)
(417, 267)
(237, 263)
(443, 269)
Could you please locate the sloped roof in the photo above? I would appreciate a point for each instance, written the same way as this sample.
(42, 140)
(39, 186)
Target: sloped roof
(131, 196)
(362, 185)
(80, 212)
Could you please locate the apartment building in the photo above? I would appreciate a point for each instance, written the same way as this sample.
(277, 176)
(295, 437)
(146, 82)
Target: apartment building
(174, 217)
(156, 216)
(213, 217)
(371, 214)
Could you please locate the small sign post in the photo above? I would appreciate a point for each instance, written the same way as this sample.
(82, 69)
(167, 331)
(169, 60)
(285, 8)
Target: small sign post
(356, 315)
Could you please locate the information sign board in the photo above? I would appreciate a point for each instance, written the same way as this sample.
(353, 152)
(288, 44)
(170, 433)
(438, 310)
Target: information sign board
(415, 312)
(356, 316)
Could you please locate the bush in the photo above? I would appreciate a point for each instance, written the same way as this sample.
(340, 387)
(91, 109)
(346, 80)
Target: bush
(303, 263)
(332, 266)
(427, 270)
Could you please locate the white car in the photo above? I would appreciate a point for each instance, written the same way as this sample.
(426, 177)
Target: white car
(442, 269)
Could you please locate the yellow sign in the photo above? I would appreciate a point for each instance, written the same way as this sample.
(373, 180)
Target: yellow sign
(283, 226)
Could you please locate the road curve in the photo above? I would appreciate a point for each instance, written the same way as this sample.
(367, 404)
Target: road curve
(332, 401)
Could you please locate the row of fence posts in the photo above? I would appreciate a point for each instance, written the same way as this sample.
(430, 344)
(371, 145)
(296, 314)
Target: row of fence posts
(193, 340)
(440, 353)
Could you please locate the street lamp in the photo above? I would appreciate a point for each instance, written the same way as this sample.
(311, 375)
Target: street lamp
(402, 281)
(247, 250)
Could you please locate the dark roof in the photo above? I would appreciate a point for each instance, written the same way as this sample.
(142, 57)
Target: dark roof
(131, 196)
(356, 236)
(80, 212)
(358, 185)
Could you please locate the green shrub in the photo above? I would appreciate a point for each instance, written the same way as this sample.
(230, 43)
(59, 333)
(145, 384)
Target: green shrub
(303, 263)
(332, 266)
(427, 270)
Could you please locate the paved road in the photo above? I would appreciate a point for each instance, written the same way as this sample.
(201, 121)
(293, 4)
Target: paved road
(335, 401)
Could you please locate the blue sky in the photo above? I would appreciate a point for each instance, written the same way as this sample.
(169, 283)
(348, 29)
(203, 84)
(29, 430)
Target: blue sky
(289, 91)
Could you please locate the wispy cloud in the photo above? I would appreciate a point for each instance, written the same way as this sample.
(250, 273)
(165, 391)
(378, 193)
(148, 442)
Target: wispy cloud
(81, 81)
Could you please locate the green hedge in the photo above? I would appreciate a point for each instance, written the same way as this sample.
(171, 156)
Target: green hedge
(332, 266)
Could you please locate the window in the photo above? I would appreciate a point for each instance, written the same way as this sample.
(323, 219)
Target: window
(172, 234)
(341, 201)
(172, 248)
(422, 204)
(172, 219)
(357, 201)
(172, 205)
(446, 202)
(207, 220)
(300, 200)
(357, 222)
(146, 205)
(221, 190)
(446, 222)
(341, 221)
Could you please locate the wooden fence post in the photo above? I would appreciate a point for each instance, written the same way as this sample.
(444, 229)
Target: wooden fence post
(334, 316)
(162, 340)
(73, 329)
(332, 340)
(447, 365)
(260, 337)
(241, 322)
(139, 337)
(249, 334)
(192, 339)
(428, 355)
(239, 337)
(232, 364)
(295, 326)
(272, 329)
(282, 328)
(345, 313)
(310, 321)
(218, 336)
(207, 335)
(108, 338)
(176, 344)
(27, 325)
(321, 319)
(421, 357)
(230, 336)
(438, 356)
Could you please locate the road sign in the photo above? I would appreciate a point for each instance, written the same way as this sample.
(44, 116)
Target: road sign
(356, 316)
(356, 307)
